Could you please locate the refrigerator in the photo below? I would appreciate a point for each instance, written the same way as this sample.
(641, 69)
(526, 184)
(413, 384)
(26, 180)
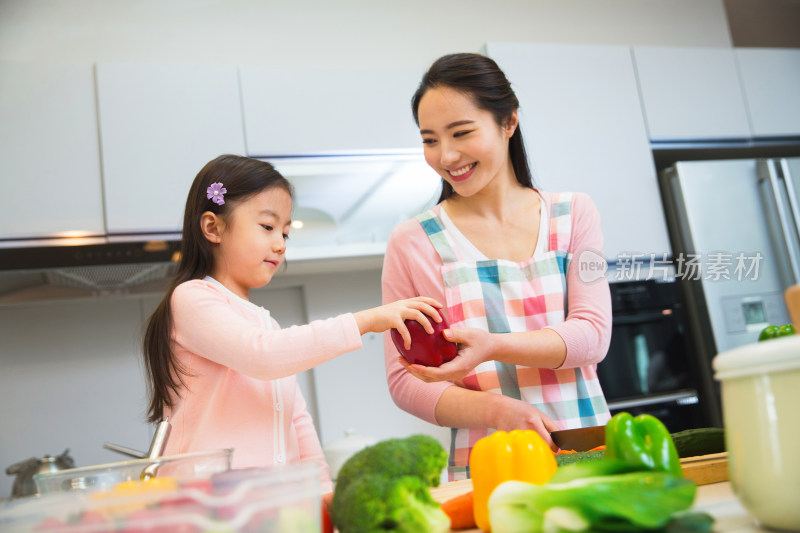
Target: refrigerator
(734, 226)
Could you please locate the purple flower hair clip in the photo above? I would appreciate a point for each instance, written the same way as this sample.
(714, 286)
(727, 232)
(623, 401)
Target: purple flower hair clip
(216, 193)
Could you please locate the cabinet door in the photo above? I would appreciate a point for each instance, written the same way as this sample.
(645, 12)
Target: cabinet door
(159, 125)
(49, 153)
(691, 93)
(584, 131)
(771, 80)
(298, 111)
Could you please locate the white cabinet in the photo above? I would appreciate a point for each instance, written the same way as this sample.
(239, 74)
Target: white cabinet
(771, 81)
(159, 125)
(298, 111)
(49, 153)
(691, 93)
(584, 131)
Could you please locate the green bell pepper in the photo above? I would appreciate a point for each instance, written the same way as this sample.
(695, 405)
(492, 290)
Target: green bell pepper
(643, 440)
(773, 332)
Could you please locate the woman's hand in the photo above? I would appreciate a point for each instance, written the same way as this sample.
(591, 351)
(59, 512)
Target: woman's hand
(394, 315)
(517, 414)
(475, 346)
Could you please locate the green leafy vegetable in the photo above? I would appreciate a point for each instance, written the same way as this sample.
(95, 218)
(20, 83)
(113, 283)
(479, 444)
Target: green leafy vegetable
(621, 502)
(596, 467)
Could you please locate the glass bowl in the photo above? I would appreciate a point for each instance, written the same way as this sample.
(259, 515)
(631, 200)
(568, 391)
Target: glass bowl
(106, 476)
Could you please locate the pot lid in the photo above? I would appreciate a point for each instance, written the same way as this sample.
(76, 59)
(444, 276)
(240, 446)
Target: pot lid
(765, 357)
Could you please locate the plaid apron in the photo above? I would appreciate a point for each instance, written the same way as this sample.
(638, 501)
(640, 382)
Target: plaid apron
(502, 296)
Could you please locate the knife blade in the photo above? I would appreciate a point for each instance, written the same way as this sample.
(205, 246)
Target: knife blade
(580, 439)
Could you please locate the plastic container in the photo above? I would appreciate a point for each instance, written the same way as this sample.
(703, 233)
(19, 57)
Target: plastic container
(106, 476)
(760, 385)
(281, 499)
(339, 451)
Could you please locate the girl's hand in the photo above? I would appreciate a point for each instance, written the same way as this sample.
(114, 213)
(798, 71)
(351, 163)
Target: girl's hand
(394, 315)
(517, 414)
(475, 346)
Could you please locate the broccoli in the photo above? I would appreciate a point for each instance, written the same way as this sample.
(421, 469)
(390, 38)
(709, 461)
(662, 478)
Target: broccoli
(378, 503)
(385, 488)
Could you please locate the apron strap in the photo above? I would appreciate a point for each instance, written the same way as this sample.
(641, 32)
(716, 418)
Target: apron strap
(560, 221)
(434, 228)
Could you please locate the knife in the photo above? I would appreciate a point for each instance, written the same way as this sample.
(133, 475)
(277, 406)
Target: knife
(581, 439)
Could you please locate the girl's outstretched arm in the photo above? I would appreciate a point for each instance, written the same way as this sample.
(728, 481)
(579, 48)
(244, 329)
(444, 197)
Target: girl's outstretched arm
(208, 323)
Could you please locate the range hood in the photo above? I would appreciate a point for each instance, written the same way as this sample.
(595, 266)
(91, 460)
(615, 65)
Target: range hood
(349, 205)
(344, 210)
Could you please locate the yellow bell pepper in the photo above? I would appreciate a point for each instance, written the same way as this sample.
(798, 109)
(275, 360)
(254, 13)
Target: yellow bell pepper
(520, 455)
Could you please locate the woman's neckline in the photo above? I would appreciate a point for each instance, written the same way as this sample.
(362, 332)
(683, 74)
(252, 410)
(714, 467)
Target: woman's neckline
(477, 254)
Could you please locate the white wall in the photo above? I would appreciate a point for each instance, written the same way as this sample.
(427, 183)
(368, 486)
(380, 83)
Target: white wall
(70, 377)
(349, 33)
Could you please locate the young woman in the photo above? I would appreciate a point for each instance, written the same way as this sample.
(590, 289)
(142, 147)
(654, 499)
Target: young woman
(499, 252)
(220, 366)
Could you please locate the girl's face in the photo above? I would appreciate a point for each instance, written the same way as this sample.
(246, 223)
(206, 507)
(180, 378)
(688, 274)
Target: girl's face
(252, 241)
(462, 142)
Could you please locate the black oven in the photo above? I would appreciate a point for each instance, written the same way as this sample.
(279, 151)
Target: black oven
(650, 367)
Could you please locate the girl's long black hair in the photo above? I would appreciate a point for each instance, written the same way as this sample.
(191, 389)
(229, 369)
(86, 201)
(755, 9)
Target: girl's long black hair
(242, 177)
(480, 78)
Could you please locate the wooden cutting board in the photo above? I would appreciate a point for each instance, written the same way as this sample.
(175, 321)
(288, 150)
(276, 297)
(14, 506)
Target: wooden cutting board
(706, 469)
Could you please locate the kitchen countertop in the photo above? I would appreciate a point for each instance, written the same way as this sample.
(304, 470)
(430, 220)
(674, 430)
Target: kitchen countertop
(716, 499)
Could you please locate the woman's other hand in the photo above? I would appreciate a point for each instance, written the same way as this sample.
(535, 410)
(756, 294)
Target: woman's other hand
(475, 346)
(513, 414)
(394, 315)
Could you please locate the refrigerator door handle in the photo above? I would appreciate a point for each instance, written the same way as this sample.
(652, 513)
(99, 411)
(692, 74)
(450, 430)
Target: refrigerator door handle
(791, 193)
(779, 193)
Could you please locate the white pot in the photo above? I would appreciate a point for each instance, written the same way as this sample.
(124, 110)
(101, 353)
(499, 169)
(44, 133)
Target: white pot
(760, 399)
(339, 451)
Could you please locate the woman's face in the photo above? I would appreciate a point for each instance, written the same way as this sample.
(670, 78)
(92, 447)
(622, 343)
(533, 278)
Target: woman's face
(252, 241)
(462, 142)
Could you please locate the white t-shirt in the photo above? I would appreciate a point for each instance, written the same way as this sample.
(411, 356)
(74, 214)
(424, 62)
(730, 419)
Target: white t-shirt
(471, 253)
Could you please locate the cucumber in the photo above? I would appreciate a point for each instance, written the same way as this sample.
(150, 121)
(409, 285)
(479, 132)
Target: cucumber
(700, 441)
(579, 457)
(689, 443)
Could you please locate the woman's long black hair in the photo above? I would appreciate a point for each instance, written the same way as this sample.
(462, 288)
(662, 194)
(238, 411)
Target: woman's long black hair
(480, 78)
(242, 177)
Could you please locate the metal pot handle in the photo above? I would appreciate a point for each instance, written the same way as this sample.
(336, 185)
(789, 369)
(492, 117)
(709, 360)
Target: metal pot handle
(16, 468)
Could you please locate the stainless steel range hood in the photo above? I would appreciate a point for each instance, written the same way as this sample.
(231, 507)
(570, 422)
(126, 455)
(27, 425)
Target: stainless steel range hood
(85, 267)
(348, 205)
(345, 208)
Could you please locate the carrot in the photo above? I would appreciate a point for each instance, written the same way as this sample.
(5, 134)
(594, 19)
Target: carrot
(460, 511)
(595, 449)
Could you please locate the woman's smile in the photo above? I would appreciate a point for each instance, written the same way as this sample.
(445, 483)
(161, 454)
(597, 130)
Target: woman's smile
(462, 173)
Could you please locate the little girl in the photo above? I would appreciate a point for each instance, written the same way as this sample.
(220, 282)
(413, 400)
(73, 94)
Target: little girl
(219, 366)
